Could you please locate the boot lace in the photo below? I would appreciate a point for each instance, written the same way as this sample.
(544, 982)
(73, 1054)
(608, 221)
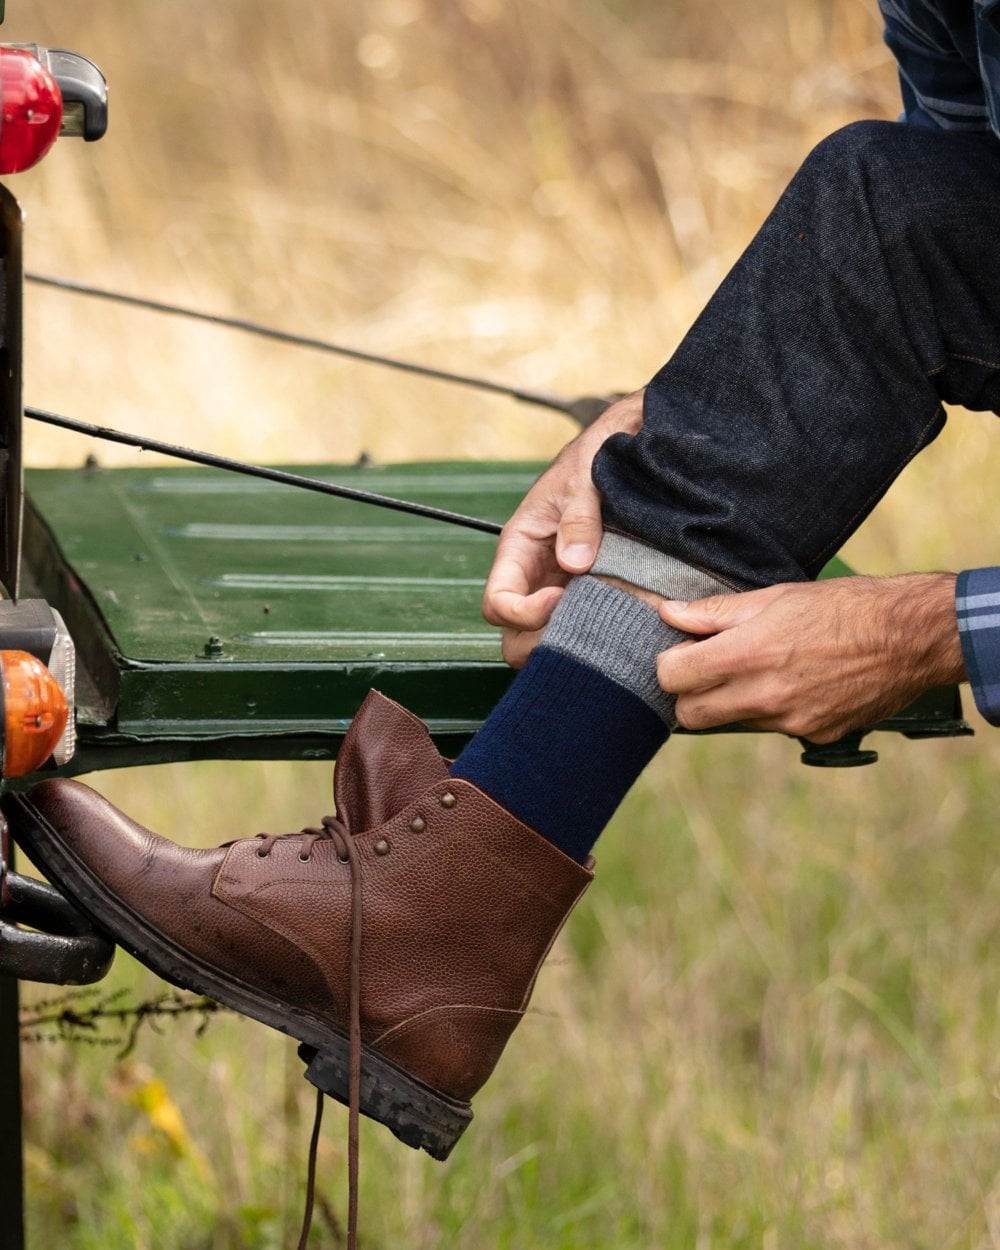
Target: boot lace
(332, 830)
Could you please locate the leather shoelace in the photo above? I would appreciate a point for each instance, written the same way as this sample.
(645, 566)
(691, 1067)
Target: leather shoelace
(331, 829)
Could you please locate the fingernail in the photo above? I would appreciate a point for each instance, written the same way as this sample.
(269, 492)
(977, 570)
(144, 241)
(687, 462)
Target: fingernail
(579, 553)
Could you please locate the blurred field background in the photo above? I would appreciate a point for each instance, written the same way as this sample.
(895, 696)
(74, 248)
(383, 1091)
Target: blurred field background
(774, 1022)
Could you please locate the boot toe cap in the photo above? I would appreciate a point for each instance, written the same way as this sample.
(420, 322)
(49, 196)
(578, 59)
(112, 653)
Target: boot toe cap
(86, 823)
(59, 817)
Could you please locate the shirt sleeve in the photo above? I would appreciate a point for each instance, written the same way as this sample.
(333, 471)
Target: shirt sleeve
(977, 603)
(941, 87)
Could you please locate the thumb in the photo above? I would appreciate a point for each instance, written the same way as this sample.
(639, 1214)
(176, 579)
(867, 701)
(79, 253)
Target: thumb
(717, 612)
(579, 535)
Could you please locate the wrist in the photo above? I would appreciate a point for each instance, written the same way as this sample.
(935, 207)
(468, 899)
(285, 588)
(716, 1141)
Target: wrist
(929, 619)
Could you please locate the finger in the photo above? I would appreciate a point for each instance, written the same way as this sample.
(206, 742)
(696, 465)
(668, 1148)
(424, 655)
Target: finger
(717, 612)
(522, 565)
(580, 531)
(731, 703)
(700, 711)
(517, 645)
(697, 665)
(805, 728)
(511, 610)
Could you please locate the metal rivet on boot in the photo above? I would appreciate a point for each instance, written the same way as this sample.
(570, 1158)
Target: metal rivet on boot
(418, 824)
(448, 799)
(381, 847)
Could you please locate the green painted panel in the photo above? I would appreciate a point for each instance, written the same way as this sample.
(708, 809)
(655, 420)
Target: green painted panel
(173, 557)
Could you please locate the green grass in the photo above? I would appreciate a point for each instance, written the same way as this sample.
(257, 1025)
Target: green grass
(772, 1023)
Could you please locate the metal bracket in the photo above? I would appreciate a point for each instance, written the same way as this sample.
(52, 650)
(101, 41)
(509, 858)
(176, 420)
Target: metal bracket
(845, 753)
(84, 92)
(11, 490)
(61, 947)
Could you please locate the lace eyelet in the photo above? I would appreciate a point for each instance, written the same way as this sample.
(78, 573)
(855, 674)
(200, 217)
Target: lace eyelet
(262, 854)
(304, 859)
(342, 859)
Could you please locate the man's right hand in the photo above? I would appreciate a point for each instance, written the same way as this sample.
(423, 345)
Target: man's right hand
(553, 535)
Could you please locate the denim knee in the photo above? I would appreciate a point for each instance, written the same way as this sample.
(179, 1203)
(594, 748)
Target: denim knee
(859, 181)
(853, 145)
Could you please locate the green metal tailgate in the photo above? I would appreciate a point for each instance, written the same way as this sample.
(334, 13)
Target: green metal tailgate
(217, 615)
(174, 557)
(210, 607)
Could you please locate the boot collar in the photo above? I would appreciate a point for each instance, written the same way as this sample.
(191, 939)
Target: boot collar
(386, 758)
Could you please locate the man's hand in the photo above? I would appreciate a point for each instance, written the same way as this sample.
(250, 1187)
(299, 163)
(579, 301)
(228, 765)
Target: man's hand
(553, 535)
(814, 660)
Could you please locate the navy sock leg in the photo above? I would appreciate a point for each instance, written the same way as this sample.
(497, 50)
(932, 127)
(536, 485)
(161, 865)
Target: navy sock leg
(562, 748)
(583, 719)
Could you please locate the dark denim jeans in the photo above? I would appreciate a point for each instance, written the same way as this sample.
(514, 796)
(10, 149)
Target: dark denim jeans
(818, 369)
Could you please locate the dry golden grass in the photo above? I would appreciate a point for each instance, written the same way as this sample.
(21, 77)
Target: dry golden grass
(546, 191)
(774, 1023)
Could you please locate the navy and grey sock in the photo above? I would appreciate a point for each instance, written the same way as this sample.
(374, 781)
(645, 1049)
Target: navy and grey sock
(585, 716)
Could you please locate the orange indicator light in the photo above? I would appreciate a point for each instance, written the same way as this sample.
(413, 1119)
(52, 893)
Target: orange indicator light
(34, 713)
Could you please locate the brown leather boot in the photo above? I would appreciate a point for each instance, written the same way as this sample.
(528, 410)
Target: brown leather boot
(455, 905)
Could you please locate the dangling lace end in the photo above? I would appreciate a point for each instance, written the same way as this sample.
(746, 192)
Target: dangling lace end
(307, 1215)
(333, 829)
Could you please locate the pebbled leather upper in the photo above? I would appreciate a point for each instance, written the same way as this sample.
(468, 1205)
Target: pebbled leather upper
(461, 900)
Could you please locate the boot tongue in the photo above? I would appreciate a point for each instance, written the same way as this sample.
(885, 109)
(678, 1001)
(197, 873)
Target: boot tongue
(386, 760)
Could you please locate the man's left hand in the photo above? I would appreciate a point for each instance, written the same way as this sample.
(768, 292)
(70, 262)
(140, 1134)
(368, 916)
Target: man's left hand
(813, 659)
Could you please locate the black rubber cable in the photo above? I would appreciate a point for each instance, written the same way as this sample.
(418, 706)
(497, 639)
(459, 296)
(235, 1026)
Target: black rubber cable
(262, 471)
(540, 398)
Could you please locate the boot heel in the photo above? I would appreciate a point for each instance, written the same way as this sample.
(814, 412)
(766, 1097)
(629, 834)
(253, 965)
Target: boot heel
(416, 1114)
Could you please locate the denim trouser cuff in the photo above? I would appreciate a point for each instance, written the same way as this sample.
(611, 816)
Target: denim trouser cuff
(652, 570)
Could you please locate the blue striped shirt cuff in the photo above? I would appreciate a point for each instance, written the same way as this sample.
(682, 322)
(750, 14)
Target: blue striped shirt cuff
(977, 602)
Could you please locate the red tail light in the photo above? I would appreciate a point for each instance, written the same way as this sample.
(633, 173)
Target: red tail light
(32, 110)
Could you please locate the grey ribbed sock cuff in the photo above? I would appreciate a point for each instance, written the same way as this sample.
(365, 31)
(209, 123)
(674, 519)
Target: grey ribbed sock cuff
(618, 635)
(664, 575)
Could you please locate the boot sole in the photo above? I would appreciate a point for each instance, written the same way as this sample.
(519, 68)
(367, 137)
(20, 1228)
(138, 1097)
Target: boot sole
(417, 1114)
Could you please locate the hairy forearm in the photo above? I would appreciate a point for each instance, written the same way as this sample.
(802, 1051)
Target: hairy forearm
(816, 660)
